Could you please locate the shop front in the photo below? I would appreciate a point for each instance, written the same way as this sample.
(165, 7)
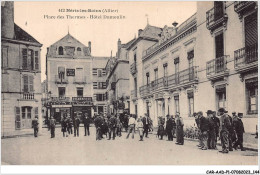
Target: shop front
(81, 106)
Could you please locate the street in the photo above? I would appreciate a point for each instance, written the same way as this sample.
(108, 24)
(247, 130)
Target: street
(85, 150)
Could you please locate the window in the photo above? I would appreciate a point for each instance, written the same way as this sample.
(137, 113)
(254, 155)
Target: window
(30, 59)
(94, 71)
(177, 107)
(252, 96)
(218, 10)
(190, 61)
(26, 112)
(100, 97)
(135, 85)
(79, 75)
(28, 83)
(4, 57)
(176, 63)
(147, 78)
(36, 112)
(61, 50)
(78, 51)
(61, 91)
(17, 118)
(61, 72)
(191, 103)
(79, 92)
(165, 71)
(36, 60)
(99, 73)
(219, 45)
(135, 58)
(156, 74)
(221, 96)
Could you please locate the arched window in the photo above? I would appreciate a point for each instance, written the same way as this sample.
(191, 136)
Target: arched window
(78, 51)
(60, 50)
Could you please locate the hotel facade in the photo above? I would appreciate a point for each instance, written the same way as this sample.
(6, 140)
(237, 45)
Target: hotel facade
(207, 62)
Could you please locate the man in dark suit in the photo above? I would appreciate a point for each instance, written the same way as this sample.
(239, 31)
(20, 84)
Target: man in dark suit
(86, 124)
(169, 128)
(76, 123)
(52, 126)
(112, 127)
(212, 132)
(239, 128)
(224, 130)
(180, 134)
(146, 125)
(216, 124)
(204, 127)
(35, 125)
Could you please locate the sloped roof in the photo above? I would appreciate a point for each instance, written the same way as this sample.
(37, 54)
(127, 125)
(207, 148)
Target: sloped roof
(69, 40)
(100, 62)
(20, 34)
(128, 43)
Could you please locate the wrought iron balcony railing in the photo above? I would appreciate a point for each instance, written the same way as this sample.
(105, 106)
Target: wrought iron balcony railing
(133, 68)
(217, 65)
(145, 90)
(246, 55)
(61, 79)
(216, 17)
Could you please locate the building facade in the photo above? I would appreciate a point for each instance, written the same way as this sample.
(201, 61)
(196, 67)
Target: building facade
(21, 76)
(227, 46)
(99, 84)
(118, 94)
(69, 78)
(208, 62)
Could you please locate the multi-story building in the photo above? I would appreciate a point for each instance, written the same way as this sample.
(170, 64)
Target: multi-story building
(169, 72)
(118, 94)
(146, 38)
(21, 76)
(208, 62)
(69, 78)
(99, 84)
(227, 47)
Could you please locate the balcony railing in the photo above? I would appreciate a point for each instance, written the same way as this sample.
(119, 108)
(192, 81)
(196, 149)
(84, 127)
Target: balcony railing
(145, 90)
(27, 96)
(133, 68)
(240, 6)
(160, 83)
(216, 17)
(134, 94)
(80, 80)
(217, 65)
(61, 80)
(246, 55)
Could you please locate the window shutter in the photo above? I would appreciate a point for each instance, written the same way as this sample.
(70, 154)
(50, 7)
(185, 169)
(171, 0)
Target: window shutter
(25, 83)
(17, 118)
(31, 83)
(29, 60)
(24, 53)
(36, 57)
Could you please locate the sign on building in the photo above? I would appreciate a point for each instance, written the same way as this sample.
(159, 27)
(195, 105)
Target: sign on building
(70, 72)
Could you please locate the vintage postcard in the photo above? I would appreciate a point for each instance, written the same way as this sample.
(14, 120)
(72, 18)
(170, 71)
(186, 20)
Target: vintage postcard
(130, 83)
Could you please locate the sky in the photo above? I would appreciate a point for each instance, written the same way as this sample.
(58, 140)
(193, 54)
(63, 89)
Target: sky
(103, 33)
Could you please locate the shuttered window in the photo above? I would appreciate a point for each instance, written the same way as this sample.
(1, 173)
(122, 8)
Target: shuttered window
(251, 34)
(36, 59)
(17, 118)
(36, 112)
(24, 53)
(28, 83)
(31, 83)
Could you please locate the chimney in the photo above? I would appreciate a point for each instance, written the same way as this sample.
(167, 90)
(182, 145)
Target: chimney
(175, 26)
(7, 17)
(89, 46)
(139, 32)
(119, 43)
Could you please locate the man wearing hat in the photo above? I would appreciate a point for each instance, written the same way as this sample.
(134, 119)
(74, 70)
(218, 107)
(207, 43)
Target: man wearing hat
(197, 120)
(212, 132)
(204, 127)
(231, 135)
(216, 124)
(224, 130)
(179, 124)
(239, 128)
(52, 126)
(35, 125)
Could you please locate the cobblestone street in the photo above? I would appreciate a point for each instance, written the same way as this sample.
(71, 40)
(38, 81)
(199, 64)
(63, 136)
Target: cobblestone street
(87, 151)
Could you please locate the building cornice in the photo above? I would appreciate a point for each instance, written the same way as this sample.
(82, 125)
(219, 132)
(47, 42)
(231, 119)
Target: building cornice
(21, 42)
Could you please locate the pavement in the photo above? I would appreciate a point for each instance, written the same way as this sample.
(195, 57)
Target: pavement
(85, 150)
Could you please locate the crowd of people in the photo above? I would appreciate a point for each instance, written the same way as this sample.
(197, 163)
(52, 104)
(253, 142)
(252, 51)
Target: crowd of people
(229, 129)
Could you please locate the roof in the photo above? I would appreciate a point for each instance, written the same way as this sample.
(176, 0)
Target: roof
(100, 62)
(149, 33)
(20, 34)
(128, 43)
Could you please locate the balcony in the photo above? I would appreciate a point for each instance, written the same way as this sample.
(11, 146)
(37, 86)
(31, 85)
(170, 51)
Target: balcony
(133, 68)
(246, 58)
(160, 84)
(27, 96)
(217, 68)
(134, 94)
(80, 80)
(243, 6)
(216, 17)
(145, 90)
(61, 80)
(183, 78)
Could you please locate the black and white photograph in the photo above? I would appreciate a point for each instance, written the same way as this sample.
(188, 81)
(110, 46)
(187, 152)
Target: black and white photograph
(130, 83)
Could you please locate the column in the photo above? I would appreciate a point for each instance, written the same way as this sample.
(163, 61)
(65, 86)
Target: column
(155, 113)
(166, 106)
